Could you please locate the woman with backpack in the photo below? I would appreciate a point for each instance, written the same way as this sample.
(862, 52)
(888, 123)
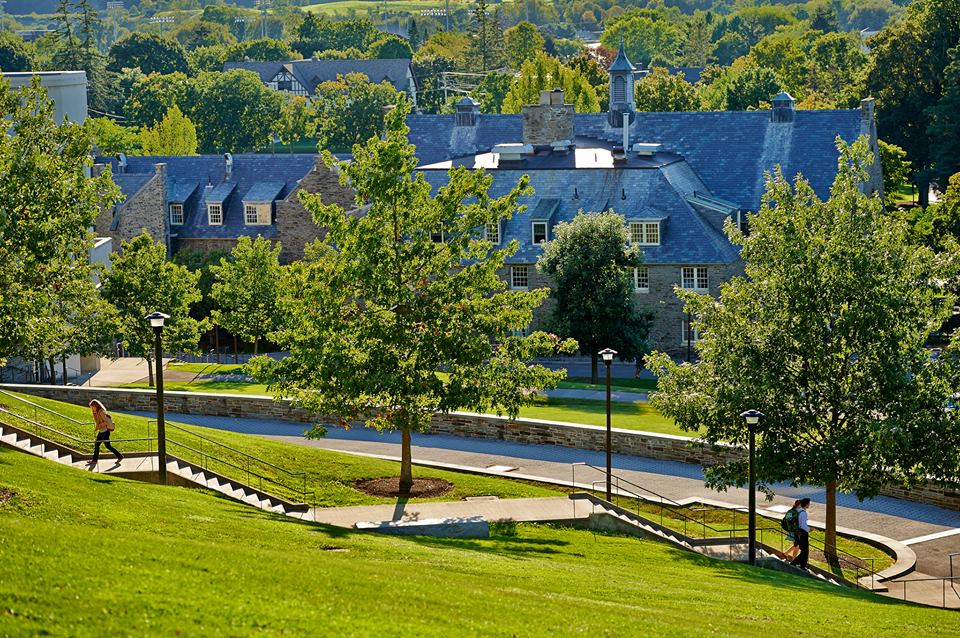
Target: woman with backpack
(789, 523)
(103, 425)
(803, 535)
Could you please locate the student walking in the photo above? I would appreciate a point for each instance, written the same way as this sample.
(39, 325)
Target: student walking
(791, 525)
(802, 535)
(103, 424)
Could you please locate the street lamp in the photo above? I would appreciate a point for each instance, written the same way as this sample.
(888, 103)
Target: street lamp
(607, 354)
(752, 417)
(156, 322)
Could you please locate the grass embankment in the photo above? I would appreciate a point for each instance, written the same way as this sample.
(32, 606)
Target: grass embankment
(329, 475)
(85, 555)
(616, 385)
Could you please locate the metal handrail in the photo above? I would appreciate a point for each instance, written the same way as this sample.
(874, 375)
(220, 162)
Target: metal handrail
(232, 449)
(66, 435)
(45, 409)
(943, 585)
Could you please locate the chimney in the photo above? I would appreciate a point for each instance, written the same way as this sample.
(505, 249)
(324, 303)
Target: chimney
(866, 109)
(228, 166)
(97, 170)
(784, 108)
(467, 114)
(549, 121)
(121, 163)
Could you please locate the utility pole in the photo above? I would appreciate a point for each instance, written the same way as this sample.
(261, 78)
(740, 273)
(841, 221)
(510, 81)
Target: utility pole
(264, 5)
(447, 14)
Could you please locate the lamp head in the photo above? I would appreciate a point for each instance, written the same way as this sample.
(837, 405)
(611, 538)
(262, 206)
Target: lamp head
(752, 417)
(157, 319)
(607, 354)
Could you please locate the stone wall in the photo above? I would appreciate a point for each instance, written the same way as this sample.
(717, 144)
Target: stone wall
(295, 227)
(144, 210)
(204, 245)
(544, 124)
(482, 426)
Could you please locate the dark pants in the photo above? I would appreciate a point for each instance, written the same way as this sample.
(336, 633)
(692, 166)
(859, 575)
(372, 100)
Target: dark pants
(104, 437)
(803, 540)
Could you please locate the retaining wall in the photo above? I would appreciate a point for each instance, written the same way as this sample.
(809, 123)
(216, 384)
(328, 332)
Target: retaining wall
(483, 426)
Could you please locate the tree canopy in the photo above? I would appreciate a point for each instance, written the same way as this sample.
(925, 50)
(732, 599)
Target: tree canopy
(350, 110)
(148, 52)
(546, 72)
(175, 134)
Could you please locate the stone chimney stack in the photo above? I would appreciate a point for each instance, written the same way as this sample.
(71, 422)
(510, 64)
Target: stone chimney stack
(549, 121)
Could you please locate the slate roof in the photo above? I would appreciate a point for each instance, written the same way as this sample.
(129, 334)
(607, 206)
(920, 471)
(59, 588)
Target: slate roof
(728, 151)
(204, 178)
(130, 185)
(262, 192)
(311, 72)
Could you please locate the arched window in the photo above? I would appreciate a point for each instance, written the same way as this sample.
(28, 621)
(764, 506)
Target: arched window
(620, 89)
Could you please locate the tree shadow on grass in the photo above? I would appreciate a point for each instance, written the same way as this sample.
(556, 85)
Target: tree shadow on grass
(502, 542)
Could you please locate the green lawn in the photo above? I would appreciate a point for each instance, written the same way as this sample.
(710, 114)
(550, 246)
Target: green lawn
(86, 555)
(632, 416)
(617, 385)
(329, 475)
(208, 368)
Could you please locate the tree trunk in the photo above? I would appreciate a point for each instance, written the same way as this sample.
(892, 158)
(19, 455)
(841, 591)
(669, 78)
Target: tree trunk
(149, 372)
(64, 369)
(406, 466)
(256, 342)
(593, 368)
(53, 371)
(923, 191)
(830, 533)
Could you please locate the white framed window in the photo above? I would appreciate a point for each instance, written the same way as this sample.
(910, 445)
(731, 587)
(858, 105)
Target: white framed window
(492, 232)
(256, 214)
(215, 214)
(645, 233)
(176, 214)
(519, 277)
(641, 279)
(688, 331)
(694, 278)
(539, 232)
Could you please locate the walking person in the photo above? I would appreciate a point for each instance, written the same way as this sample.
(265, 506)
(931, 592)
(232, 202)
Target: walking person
(103, 425)
(790, 524)
(802, 536)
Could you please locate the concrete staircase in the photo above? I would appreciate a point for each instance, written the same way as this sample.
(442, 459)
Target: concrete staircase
(144, 466)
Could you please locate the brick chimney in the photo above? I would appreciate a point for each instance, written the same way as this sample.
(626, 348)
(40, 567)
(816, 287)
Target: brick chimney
(549, 121)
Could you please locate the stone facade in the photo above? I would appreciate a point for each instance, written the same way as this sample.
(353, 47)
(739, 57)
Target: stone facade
(295, 227)
(483, 426)
(544, 124)
(143, 210)
(204, 244)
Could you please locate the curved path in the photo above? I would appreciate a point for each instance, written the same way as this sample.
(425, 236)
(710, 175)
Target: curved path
(932, 532)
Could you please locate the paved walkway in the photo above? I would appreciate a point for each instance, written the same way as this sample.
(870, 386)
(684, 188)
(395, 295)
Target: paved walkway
(594, 395)
(115, 372)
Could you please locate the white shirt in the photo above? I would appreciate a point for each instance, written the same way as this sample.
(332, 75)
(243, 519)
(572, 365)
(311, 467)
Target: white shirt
(802, 521)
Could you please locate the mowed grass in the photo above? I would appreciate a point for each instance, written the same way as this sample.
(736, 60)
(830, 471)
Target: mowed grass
(638, 415)
(85, 555)
(616, 385)
(330, 476)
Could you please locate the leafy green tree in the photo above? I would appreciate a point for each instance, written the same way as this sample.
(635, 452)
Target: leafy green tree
(938, 225)
(49, 204)
(660, 91)
(944, 125)
(593, 72)
(728, 48)
(198, 33)
(245, 289)
(350, 110)
(152, 96)
(486, 39)
(413, 35)
(545, 72)
(263, 50)
(906, 76)
(378, 310)
(826, 336)
(141, 281)
(896, 170)
(210, 58)
(836, 61)
(390, 47)
(522, 42)
(698, 46)
(14, 55)
(111, 138)
(429, 69)
(786, 55)
(752, 89)
(588, 260)
(234, 111)
(647, 37)
(175, 134)
(202, 263)
(297, 120)
(492, 90)
(148, 52)
(318, 33)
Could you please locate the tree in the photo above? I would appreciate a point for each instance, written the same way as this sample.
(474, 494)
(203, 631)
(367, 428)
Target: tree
(660, 91)
(245, 289)
(210, 58)
(263, 50)
(588, 260)
(647, 37)
(111, 138)
(944, 124)
(895, 169)
(196, 34)
(413, 35)
(378, 309)
(522, 41)
(141, 281)
(297, 120)
(751, 89)
(544, 72)
(234, 111)
(148, 52)
(826, 336)
(49, 204)
(938, 225)
(492, 90)
(13, 54)
(486, 39)
(175, 134)
(390, 47)
(151, 97)
(350, 110)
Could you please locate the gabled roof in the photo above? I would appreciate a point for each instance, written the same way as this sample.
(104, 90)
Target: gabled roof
(262, 192)
(221, 192)
(180, 190)
(130, 185)
(311, 72)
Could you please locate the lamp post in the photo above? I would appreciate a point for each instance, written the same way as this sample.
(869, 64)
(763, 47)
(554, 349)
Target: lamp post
(607, 355)
(752, 417)
(156, 322)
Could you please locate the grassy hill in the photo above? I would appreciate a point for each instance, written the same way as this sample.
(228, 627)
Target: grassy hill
(87, 555)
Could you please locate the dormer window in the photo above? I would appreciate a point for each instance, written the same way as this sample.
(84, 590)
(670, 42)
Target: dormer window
(176, 214)
(215, 214)
(257, 214)
(492, 232)
(539, 232)
(645, 233)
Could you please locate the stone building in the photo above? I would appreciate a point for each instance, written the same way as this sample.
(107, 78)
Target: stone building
(675, 177)
(207, 202)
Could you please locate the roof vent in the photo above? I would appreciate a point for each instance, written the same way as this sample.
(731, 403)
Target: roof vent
(513, 152)
(121, 162)
(619, 154)
(556, 96)
(560, 146)
(228, 166)
(646, 149)
(784, 107)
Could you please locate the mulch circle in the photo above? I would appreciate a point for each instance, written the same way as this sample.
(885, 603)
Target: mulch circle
(389, 487)
(6, 495)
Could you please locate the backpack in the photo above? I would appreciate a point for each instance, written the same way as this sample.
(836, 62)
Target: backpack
(110, 426)
(791, 521)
